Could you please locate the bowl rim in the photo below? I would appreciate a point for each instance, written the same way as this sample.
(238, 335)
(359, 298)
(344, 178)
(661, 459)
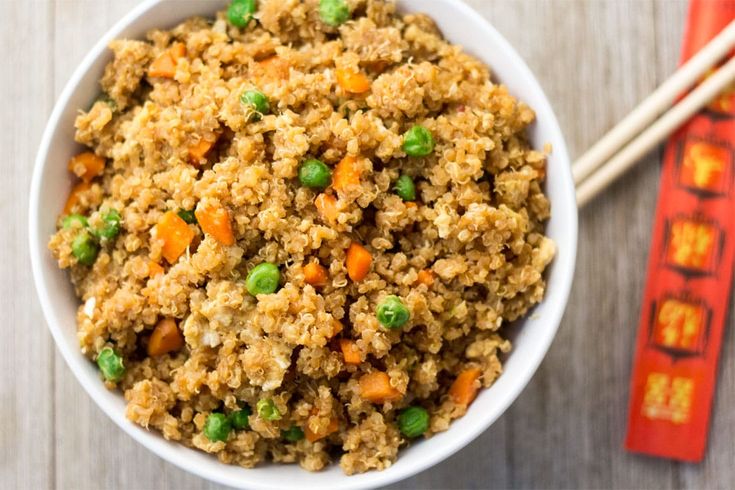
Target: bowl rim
(153, 441)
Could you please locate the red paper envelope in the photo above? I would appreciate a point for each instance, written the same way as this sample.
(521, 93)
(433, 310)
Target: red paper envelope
(690, 269)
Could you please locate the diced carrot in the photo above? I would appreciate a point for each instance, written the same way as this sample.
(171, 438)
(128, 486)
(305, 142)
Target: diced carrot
(73, 199)
(198, 151)
(215, 221)
(410, 204)
(178, 50)
(358, 261)
(337, 327)
(86, 165)
(176, 236)
(155, 269)
(425, 277)
(315, 274)
(331, 428)
(345, 174)
(350, 352)
(464, 389)
(327, 207)
(275, 67)
(352, 81)
(166, 337)
(375, 387)
(164, 65)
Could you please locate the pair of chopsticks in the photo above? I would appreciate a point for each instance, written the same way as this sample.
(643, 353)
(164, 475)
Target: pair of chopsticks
(645, 127)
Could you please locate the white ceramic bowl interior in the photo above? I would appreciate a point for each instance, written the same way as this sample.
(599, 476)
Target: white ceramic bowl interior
(51, 184)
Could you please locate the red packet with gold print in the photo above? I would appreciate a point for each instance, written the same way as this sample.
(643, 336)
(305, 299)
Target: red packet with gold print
(690, 271)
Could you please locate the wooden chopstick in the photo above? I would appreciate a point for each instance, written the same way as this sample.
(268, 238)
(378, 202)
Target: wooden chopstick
(655, 104)
(656, 133)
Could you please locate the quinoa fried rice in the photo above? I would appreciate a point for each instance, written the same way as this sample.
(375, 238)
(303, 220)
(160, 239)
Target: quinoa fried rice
(466, 257)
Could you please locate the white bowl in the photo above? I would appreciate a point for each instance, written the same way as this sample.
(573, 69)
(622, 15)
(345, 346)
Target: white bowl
(51, 184)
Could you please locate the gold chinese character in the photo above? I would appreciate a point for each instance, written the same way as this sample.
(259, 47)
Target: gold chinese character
(691, 244)
(723, 101)
(654, 397)
(678, 324)
(668, 399)
(680, 401)
(704, 165)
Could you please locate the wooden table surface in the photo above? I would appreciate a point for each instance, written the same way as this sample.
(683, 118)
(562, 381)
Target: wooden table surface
(596, 60)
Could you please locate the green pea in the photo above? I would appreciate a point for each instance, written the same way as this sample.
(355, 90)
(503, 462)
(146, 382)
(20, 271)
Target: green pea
(257, 103)
(217, 427)
(74, 221)
(413, 421)
(240, 12)
(315, 174)
(418, 142)
(85, 248)
(110, 225)
(188, 216)
(293, 434)
(405, 188)
(334, 12)
(263, 279)
(110, 364)
(267, 409)
(392, 313)
(239, 419)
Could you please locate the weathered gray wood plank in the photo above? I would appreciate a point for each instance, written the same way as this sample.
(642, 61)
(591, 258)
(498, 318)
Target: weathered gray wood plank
(26, 359)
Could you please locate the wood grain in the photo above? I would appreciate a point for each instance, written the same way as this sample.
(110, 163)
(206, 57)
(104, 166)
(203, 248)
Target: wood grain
(26, 352)
(596, 60)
